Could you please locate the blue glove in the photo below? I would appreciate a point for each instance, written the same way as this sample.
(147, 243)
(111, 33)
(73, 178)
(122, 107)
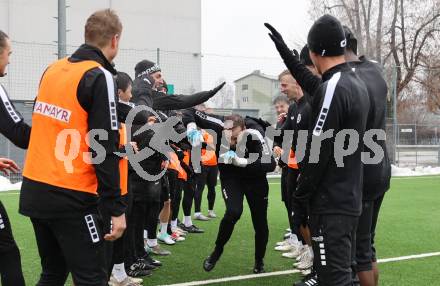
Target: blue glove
(194, 137)
(228, 157)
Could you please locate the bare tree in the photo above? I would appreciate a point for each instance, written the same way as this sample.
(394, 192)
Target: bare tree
(397, 33)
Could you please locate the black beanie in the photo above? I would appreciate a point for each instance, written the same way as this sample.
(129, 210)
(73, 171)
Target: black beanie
(326, 37)
(351, 39)
(304, 56)
(145, 67)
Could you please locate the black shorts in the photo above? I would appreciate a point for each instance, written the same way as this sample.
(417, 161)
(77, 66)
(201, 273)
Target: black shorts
(299, 211)
(365, 251)
(145, 191)
(165, 195)
(6, 239)
(333, 247)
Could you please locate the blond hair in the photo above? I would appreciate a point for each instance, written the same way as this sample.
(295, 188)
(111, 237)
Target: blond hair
(101, 27)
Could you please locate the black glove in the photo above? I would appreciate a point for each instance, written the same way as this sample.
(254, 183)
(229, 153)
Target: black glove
(286, 54)
(215, 90)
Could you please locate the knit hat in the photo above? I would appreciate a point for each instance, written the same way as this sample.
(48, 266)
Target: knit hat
(145, 67)
(326, 37)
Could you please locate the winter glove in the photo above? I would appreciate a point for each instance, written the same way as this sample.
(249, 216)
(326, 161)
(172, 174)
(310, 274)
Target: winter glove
(194, 136)
(227, 157)
(286, 54)
(212, 92)
(239, 162)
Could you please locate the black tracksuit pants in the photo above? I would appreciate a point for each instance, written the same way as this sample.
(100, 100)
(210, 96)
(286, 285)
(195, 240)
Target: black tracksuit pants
(74, 245)
(188, 196)
(256, 191)
(175, 192)
(10, 261)
(208, 178)
(334, 247)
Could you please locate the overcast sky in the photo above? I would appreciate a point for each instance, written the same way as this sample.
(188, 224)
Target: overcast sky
(235, 28)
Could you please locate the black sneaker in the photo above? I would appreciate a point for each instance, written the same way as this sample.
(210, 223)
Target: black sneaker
(309, 280)
(259, 267)
(209, 263)
(149, 260)
(135, 271)
(143, 264)
(192, 229)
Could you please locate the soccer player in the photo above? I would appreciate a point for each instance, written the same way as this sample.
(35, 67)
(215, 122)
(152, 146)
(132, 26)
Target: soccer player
(297, 120)
(15, 129)
(208, 177)
(332, 191)
(376, 176)
(119, 275)
(281, 104)
(239, 176)
(60, 193)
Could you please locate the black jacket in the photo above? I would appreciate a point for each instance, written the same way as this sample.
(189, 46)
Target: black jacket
(332, 189)
(41, 200)
(259, 168)
(376, 176)
(12, 125)
(297, 119)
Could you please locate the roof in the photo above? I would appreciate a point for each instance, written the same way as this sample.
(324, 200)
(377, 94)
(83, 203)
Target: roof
(258, 73)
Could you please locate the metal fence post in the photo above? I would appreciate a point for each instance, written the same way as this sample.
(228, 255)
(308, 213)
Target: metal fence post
(416, 142)
(61, 29)
(158, 56)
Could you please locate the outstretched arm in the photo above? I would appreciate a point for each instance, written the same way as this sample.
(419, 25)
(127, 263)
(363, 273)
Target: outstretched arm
(163, 101)
(306, 79)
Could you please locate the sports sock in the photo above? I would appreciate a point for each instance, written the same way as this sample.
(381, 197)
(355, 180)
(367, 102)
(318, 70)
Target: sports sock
(152, 242)
(174, 223)
(187, 221)
(163, 228)
(293, 238)
(119, 272)
(197, 214)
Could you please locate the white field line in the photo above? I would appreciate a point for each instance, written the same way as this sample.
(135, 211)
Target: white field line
(288, 272)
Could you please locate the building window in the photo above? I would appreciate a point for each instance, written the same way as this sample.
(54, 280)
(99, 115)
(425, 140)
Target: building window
(245, 99)
(244, 87)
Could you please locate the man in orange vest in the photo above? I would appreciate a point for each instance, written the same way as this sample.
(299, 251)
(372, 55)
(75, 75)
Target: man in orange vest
(64, 180)
(207, 177)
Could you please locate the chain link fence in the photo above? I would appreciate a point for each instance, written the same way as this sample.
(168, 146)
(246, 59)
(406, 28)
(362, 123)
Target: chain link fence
(252, 83)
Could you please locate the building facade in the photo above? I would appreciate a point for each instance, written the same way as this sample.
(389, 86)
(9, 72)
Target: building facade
(257, 91)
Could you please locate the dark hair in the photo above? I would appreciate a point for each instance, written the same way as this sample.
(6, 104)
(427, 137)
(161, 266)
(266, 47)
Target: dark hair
(101, 27)
(3, 37)
(123, 81)
(280, 98)
(237, 120)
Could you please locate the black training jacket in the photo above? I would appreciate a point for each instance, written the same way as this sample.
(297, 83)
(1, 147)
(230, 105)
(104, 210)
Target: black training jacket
(339, 103)
(12, 125)
(297, 119)
(376, 176)
(41, 200)
(257, 169)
